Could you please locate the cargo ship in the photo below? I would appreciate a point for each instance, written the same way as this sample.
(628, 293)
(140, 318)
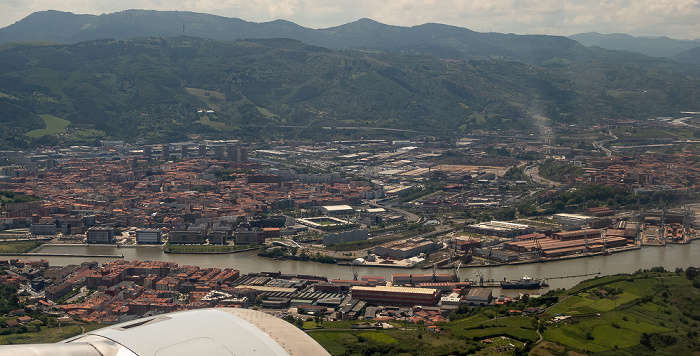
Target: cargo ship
(522, 283)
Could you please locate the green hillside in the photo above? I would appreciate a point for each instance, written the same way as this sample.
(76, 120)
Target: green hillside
(651, 312)
(155, 88)
(53, 124)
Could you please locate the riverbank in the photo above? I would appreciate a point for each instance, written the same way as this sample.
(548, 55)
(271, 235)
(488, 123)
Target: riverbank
(35, 254)
(379, 264)
(210, 252)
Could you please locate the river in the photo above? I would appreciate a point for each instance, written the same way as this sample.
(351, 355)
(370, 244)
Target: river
(670, 257)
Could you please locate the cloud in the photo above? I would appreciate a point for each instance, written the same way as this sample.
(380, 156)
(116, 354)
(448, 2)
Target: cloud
(673, 18)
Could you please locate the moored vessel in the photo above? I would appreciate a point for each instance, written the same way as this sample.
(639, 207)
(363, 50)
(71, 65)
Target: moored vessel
(522, 283)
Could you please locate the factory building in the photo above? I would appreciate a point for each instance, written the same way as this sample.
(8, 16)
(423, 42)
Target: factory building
(554, 248)
(479, 296)
(396, 295)
(577, 235)
(415, 279)
(500, 229)
(579, 221)
(406, 248)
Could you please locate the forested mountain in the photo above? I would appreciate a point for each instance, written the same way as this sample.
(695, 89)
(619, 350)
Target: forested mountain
(440, 41)
(691, 56)
(650, 46)
(154, 87)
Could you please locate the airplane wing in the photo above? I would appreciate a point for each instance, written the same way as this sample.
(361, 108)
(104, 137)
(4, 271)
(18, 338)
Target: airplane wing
(200, 332)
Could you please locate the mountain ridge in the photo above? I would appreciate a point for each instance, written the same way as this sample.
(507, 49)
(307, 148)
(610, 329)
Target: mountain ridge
(654, 46)
(455, 42)
(434, 39)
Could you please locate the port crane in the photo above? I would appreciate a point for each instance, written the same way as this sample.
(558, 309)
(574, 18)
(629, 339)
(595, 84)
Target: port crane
(455, 271)
(538, 248)
(687, 231)
(662, 225)
(481, 277)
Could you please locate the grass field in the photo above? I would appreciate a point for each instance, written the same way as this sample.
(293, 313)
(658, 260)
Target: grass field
(18, 247)
(641, 306)
(518, 327)
(413, 341)
(219, 126)
(267, 113)
(47, 335)
(53, 124)
(210, 97)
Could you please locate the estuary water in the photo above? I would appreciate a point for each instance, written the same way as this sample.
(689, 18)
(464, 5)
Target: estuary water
(669, 256)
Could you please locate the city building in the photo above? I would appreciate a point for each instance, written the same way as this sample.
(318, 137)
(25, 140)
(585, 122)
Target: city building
(100, 235)
(149, 236)
(346, 236)
(193, 235)
(331, 210)
(42, 229)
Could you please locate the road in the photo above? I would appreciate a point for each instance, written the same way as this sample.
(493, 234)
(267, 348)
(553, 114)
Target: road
(411, 216)
(601, 144)
(533, 173)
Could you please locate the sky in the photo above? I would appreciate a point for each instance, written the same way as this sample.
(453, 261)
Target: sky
(678, 19)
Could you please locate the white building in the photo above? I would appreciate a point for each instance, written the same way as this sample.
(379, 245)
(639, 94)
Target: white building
(336, 209)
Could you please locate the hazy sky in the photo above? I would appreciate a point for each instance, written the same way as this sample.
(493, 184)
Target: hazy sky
(674, 18)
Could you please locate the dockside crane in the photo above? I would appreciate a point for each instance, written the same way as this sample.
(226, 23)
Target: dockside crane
(662, 225)
(481, 277)
(687, 230)
(455, 272)
(640, 223)
(538, 248)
